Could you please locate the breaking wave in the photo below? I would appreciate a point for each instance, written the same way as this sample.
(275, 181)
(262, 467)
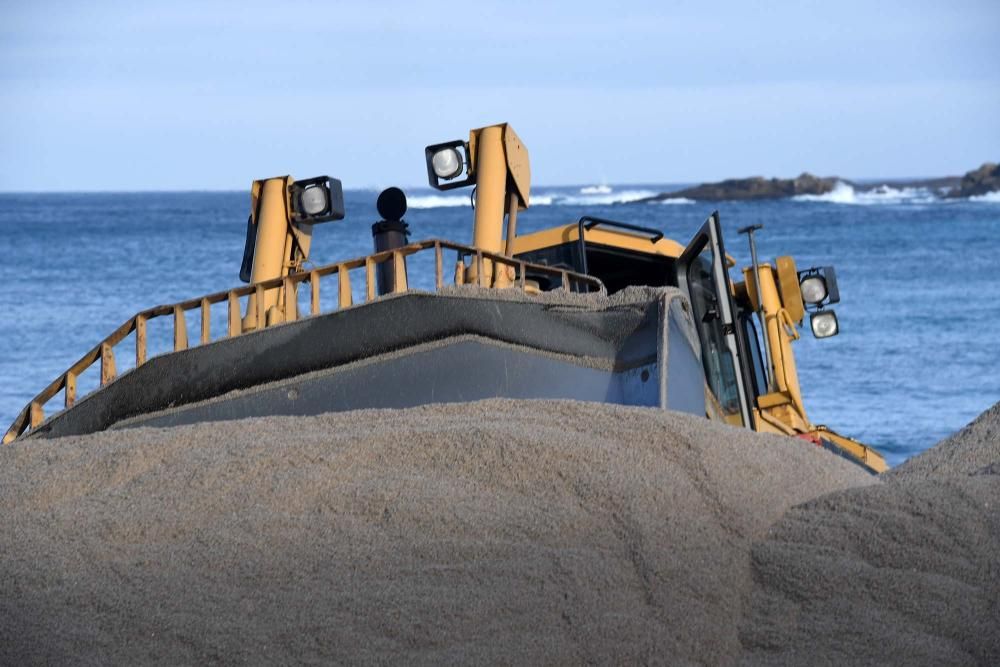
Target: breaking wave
(597, 195)
(596, 190)
(990, 197)
(844, 193)
(674, 200)
(603, 198)
(438, 201)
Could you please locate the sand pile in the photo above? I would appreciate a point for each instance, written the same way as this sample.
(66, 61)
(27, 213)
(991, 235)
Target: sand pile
(973, 450)
(905, 573)
(501, 531)
(516, 532)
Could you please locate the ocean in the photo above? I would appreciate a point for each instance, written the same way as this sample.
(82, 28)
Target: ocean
(918, 355)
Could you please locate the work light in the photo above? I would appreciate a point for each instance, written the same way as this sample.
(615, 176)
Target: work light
(319, 199)
(819, 286)
(813, 289)
(447, 162)
(313, 200)
(824, 324)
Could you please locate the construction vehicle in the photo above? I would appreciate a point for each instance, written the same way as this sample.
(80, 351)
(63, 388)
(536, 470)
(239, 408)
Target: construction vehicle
(596, 310)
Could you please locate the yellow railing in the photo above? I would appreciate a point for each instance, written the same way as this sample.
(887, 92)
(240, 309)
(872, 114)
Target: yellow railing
(33, 414)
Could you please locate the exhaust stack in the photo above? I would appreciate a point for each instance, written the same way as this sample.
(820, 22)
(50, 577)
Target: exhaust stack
(389, 233)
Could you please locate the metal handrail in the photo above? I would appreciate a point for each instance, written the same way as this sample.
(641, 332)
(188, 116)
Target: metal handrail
(33, 414)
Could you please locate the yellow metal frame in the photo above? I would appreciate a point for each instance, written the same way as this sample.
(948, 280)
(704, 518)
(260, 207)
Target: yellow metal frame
(502, 170)
(280, 246)
(782, 411)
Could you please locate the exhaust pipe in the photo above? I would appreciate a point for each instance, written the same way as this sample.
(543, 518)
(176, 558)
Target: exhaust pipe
(389, 233)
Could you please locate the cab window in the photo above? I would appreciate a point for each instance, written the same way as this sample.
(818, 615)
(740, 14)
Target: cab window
(616, 267)
(752, 339)
(720, 368)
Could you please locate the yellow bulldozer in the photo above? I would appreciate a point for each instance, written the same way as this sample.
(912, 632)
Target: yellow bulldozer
(595, 310)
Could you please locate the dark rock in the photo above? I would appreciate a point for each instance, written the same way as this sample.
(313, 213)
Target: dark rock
(755, 187)
(979, 181)
(976, 182)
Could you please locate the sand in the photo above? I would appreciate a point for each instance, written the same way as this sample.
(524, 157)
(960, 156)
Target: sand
(500, 532)
(903, 573)
(972, 450)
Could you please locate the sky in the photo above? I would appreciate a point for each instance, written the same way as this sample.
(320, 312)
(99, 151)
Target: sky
(117, 96)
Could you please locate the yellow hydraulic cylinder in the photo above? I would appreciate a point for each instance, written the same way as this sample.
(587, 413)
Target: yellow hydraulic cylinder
(491, 196)
(273, 244)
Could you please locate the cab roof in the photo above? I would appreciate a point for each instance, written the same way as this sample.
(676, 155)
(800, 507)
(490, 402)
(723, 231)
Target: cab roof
(616, 238)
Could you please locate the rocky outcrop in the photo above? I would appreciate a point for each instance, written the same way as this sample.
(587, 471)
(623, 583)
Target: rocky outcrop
(755, 187)
(979, 181)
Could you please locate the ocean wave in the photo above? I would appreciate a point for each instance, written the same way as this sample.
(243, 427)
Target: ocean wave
(844, 193)
(990, 197)
(603, 196)
(438, 201)
(885, 194)
(623, 197)
(675, 200)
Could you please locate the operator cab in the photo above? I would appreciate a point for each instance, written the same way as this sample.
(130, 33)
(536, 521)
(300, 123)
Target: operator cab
(620, 254)
(623, 255)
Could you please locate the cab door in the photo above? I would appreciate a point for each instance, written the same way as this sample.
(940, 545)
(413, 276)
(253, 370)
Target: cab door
(704, 276)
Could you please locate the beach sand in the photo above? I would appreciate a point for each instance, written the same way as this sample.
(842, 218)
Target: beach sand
(903, 573)
(499, 531)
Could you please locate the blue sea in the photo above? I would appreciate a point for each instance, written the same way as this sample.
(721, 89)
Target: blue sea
(918, 355)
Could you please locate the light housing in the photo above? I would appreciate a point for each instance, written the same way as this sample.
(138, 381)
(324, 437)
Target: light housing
(819, 286)
(314, 200)
(824, 324)
(447, 162)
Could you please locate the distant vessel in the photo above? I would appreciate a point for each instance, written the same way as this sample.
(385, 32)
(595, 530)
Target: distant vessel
(523, 316)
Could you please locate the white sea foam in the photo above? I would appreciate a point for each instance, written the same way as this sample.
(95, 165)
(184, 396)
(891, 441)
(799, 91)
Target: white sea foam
(602, 196)
(623, 197)
(608, 197)
(438, 201)
(885, 194)
(844, 193)
(675, 200)
(990, 197)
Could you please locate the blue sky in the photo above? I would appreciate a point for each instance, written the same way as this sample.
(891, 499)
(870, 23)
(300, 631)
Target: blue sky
(200, 95)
